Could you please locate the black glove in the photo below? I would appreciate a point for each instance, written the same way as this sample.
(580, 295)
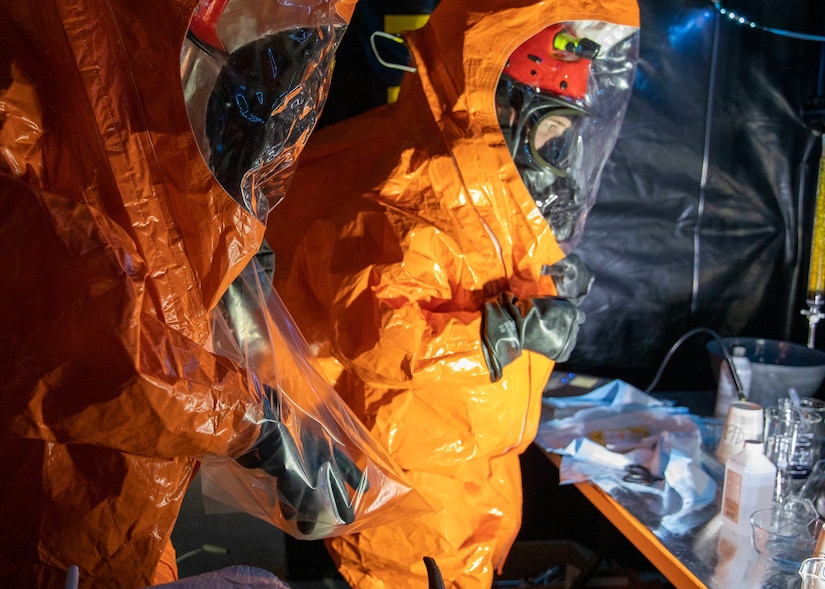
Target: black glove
(572, 277)
(311, 478)
(547, 325)
(434, 578)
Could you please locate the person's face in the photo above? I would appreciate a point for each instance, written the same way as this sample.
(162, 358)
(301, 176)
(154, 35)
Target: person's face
(550, 128)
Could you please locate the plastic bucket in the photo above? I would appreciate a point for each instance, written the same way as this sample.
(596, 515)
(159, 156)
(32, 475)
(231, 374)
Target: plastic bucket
(776, 365)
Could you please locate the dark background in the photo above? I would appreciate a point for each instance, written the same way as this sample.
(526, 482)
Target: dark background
(697, 222)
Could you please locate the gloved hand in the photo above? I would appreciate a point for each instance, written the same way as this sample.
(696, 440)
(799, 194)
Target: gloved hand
(572, 278)
(547, 325)
(312, 477)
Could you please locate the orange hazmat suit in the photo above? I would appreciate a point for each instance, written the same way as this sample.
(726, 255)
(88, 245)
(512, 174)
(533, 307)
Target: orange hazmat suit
(398, 227)
(118, 242)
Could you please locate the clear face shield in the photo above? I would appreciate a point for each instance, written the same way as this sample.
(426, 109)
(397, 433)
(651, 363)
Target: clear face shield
(255, 75)
(560, 102)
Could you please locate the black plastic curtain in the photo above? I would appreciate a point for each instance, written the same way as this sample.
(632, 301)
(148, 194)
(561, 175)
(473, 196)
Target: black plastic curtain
(697, 219)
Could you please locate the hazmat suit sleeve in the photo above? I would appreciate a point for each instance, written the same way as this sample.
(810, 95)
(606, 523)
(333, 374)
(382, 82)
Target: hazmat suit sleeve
(104, 369)
(120, 244)
(501, 331)
(81, 326)
(110, 353)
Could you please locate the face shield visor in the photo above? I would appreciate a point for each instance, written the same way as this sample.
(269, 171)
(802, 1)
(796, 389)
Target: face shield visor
(255, 75)
(560, 102)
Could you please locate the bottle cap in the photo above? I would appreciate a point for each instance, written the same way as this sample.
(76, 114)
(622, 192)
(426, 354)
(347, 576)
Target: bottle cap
(754, 446)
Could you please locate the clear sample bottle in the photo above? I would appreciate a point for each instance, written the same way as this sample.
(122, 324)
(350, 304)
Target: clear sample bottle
(748, 487)
(726, 392)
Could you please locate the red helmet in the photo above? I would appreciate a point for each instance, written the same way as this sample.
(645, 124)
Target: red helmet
(203, 23)
(554, 61)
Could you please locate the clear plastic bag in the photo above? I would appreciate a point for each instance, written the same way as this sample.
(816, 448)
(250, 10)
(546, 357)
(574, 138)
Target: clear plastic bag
(255, 75)
(315, 471)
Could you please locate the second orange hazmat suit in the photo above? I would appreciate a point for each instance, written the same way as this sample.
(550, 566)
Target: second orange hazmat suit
(120, 245)
(399, 225)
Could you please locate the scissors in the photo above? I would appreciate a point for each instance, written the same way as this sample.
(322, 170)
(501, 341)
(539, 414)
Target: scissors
(636, 473)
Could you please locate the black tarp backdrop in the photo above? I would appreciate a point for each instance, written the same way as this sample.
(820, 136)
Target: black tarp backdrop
(695, 224)
(696, 219)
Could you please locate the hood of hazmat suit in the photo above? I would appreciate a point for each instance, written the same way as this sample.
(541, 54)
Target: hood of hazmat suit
(118, 244)
(411, 246)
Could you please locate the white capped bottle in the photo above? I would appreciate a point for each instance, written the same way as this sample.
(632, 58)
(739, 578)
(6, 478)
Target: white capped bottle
(749, 480)
(726, 392)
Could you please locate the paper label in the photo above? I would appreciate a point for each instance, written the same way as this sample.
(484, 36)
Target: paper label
(625, 436)
(733, 490)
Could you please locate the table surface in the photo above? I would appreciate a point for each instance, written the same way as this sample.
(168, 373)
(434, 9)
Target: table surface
(695, 550)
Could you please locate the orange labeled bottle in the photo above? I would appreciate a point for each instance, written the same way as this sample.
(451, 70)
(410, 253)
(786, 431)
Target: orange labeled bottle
(749, 481)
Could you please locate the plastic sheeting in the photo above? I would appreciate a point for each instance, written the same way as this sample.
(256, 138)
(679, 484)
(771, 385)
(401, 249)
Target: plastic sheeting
(313, 472)
(696, 220)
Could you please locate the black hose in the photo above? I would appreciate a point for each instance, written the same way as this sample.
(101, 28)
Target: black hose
(740, 390)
